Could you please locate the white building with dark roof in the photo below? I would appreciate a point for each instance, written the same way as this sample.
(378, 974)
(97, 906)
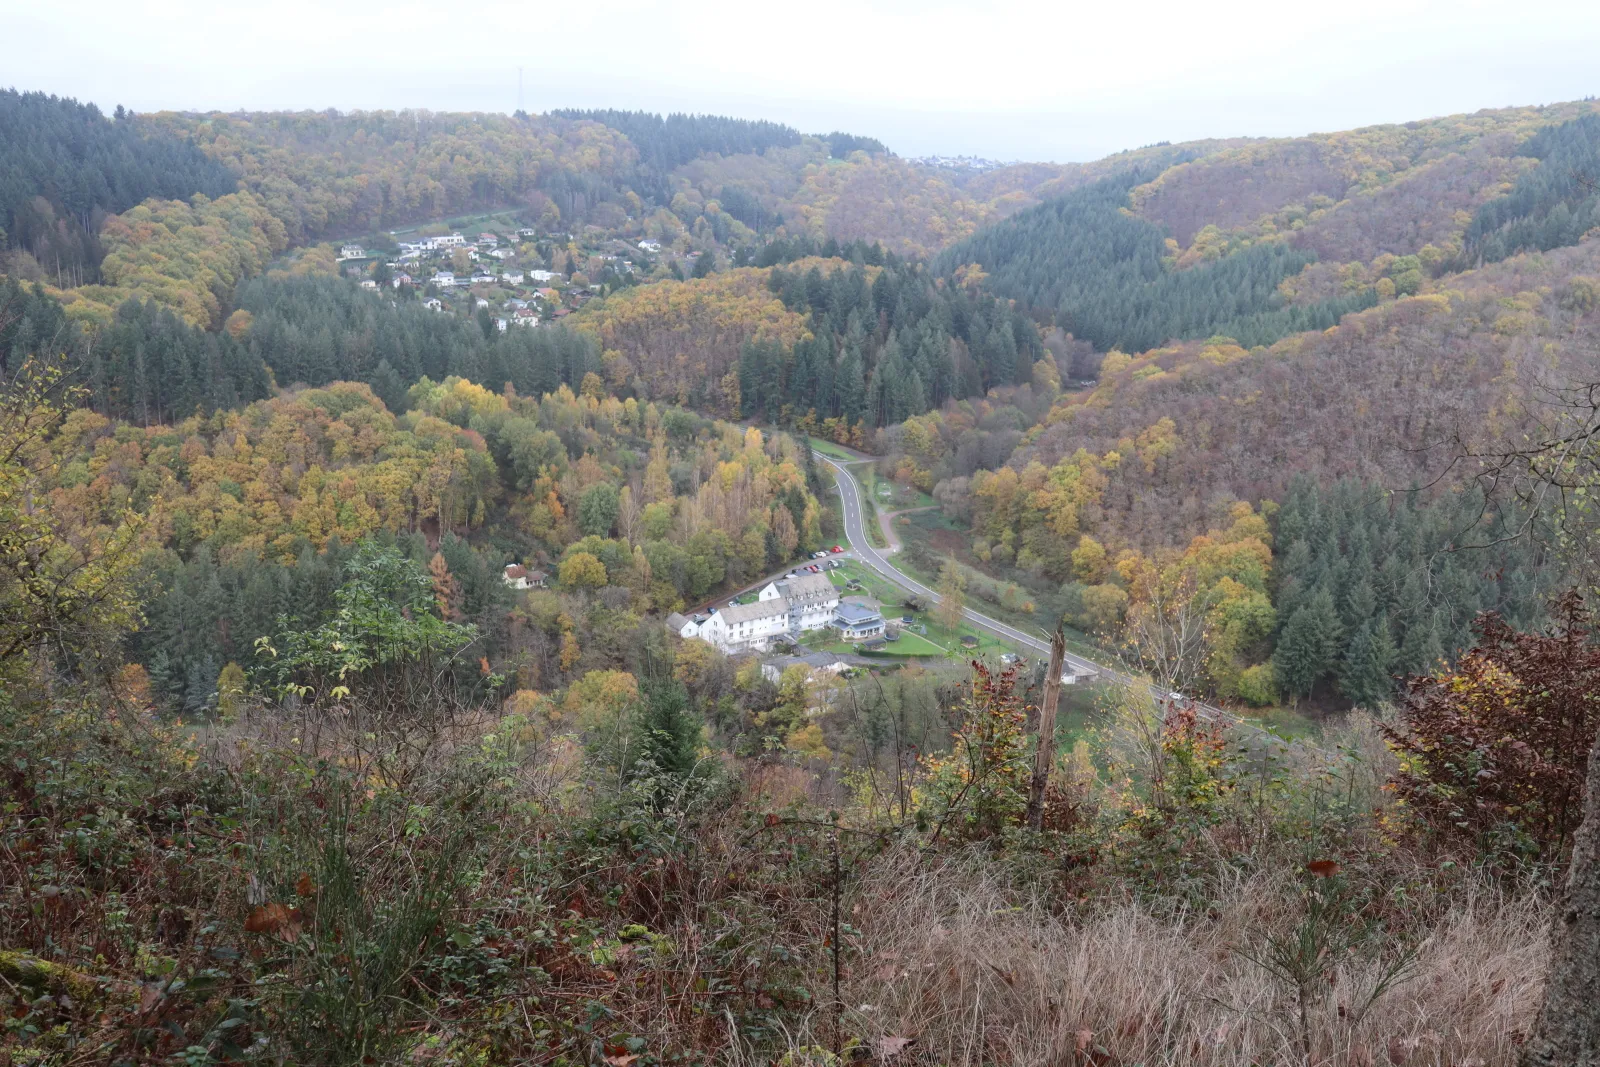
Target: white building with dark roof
(747, 627)
(811, 598)
(784, 608)
(856, 622)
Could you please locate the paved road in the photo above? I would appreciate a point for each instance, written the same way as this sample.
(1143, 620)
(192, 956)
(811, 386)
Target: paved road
(850, 499)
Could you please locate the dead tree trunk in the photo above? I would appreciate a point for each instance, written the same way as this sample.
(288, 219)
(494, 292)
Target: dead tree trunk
(1044, 755)
(1567, 1033)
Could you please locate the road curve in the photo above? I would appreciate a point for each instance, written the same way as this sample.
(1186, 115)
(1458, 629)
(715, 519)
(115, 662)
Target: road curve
(855, 530)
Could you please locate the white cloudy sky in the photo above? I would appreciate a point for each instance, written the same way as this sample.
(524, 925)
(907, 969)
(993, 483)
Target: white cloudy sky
(1013, 80)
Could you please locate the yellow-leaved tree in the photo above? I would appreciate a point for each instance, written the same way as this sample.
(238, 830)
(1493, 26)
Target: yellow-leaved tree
(63, 590)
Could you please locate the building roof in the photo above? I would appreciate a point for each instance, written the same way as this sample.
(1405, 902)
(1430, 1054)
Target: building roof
(537, 576)
(516, 570)
(853, 613)
(761, 609)
(677, 622)
(808, 587)
(817, 660)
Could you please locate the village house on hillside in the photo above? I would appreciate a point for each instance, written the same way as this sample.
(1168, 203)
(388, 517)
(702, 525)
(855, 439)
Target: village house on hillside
(519, 577)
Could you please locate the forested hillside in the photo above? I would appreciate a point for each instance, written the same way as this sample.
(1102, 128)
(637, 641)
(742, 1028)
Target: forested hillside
(1552, 205)
(66, 166)
(253, 512)
(1107, 276)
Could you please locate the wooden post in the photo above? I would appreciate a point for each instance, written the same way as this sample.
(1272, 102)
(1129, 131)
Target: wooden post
(1044, 755)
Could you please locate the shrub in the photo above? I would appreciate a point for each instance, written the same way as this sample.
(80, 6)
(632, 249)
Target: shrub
(1494, 751)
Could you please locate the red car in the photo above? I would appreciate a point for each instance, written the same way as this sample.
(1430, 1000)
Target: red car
(835, 548)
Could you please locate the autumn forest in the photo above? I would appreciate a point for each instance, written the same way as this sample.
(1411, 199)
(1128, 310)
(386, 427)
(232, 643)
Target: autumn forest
(361, 474)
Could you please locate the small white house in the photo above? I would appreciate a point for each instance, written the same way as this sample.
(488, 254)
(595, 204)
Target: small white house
(527, 232)
(480, 302)
(525, 317)
(444, 279)
(368, 283)
(449, 240)
(488, 240)
(352, 252)
(500, 324)
(650, 246)
(511, 277)
(500, 253)
(544, 275)
(519, 577)
(433, 303)
(400, 279)
(483, 277)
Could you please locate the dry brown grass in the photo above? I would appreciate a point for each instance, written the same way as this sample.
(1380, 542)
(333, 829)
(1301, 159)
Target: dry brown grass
(950, 957)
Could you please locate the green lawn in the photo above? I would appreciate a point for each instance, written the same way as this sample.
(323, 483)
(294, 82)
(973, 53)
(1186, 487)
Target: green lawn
(828, 448)
(892, 597)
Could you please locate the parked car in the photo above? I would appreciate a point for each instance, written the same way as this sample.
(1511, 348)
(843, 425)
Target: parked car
(836, 548)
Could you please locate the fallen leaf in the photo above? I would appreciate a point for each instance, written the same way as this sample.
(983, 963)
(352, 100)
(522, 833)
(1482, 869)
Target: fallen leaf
(274, 918)
(266, 918)
(890, 1047)
(149, 996)
(1323, 868)
(303, 886)
(622, 1061)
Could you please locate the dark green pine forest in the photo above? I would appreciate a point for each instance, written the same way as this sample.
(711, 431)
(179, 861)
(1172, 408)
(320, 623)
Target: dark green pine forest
(1553, 205)
(884, 350)
(65, 166)
(1101, 274)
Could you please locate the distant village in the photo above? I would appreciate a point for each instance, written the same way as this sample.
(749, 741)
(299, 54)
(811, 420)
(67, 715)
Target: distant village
(508, 272)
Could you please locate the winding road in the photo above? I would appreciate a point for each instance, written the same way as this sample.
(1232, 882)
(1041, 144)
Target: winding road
(855, 531)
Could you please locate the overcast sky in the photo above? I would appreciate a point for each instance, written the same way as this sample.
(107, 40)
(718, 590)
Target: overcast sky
(1012, 80)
